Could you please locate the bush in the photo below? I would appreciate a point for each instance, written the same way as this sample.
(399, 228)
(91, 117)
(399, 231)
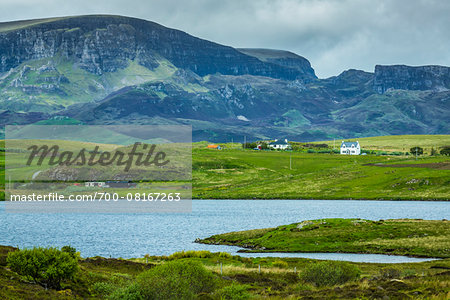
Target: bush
(171, 280)
(329, 273)
(445, 151)
(45, 266)
(433, 152)
(234, 291)
(397, 153)
(132, 292)
(280, 264)
(103, 288)
(190, 254)
(71, 250)
(249, 145)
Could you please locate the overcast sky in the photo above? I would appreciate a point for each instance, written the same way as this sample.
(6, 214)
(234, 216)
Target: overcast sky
(335, 35)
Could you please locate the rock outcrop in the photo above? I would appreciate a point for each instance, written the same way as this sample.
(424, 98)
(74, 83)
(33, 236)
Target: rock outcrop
(102, 44)
(403, 77)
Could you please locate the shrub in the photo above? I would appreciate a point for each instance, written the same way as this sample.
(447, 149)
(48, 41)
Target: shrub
(390, 273)
(132, 292)
(325, 151)
(416, 150)
(103, 288)
(433, 152)
(311, 151)
(329, 273)
(445, 150)
(280, 264)
(71, 250)
(249, 145)
(234, 291)
(45, 266)
(225, 255)
(172, 280)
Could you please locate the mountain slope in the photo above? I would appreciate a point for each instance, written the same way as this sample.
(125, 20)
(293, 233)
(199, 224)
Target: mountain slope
(111, 69)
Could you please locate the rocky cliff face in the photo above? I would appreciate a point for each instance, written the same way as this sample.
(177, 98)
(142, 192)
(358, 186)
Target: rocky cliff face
(102, 44)
(282, 58)
(411, 78)
(117, 70)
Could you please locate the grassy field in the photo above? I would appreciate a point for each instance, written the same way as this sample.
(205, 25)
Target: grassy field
(238, 174)
(234, 173)
(401, 237)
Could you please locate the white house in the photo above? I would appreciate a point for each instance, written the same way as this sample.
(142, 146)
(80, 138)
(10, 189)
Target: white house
(350, 148)
(280, 145)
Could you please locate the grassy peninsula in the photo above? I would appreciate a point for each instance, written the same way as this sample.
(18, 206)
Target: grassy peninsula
(424, 238)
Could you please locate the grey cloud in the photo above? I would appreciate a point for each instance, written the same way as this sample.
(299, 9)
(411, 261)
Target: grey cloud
(334, 35)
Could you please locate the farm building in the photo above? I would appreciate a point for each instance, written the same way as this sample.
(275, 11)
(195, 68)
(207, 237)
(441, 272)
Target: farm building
(350, 148)
(280, 145)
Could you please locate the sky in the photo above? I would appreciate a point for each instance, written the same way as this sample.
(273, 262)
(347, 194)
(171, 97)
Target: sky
(334, 35)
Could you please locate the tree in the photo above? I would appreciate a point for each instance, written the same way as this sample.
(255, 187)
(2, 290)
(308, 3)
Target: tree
(433, 152)
(249, 145)
(445, 150)
(416, 150)
(45, 266)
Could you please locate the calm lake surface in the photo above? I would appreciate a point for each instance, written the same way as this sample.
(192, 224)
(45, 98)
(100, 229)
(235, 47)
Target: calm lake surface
(134, 235)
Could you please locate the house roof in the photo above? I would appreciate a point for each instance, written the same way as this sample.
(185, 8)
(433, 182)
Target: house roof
(349, 144)
(279, 142)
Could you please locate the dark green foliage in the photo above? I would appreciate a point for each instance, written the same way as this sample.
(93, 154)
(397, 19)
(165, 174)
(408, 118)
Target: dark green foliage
(416, 151)
(329, 273)
(315, 145)
(249, 145)
(397, 153)
(264, 146)
(433, 152)
(171, 280)
(445, 151)
(234, 291)
(45, 266)
(132, 292)
(69, 249)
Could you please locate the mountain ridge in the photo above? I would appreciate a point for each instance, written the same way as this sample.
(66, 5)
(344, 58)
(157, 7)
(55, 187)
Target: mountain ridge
(102, 69)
